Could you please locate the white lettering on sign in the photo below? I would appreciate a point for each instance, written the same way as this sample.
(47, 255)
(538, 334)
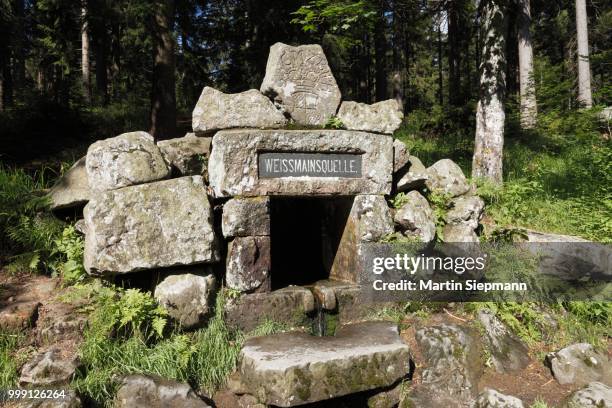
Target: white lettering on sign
(284, 164)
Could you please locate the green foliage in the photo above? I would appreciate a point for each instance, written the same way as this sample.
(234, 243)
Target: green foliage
(440, 204)
(557, 177)
(128, 313)
(36, 236)
(71, 246)
(337, 16)
(268, 327)
(10, 362)
(453, 122)
(123, 323)
(593, 312)
(512, 195)
(576, 321)
(124, 338)
(524, 319)
(399, 238)
(105, 358)
(506, 235)
(334, 123)
(392, 313)
(584, 322)
(18, 197)
(37, 240)
(430, 141)
(28, 232)
(217, 350)
(118, 117)
(538, 403)
(399, 200)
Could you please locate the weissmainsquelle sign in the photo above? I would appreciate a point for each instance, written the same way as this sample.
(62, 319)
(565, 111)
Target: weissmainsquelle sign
(277, 164)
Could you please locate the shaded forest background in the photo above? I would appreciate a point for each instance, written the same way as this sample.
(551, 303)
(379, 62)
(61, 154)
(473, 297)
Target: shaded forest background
(424, 53)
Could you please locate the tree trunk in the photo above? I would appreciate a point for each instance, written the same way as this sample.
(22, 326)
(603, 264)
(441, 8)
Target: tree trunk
(6, 82)
(529, 107)
(440, 75)
(163, 99)
(85, 78)
(1, 92)
(6, 79)
(19, 45)
(454, 54)
(584, 70)
(407, 55)
(490, 115)
(511, 50)
(113, 69)
(380, 51)
(396, 78)
(101, 56)
(2, 81)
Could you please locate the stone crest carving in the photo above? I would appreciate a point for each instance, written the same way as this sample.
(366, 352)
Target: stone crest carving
(299, 78)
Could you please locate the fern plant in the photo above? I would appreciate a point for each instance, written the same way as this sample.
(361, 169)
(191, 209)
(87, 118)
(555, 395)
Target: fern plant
(440, 204)
(334, 123)
(399, 200)
(70, 246)
(26, 229)
(34, 238)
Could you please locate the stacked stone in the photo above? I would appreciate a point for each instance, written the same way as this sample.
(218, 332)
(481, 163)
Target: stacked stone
(246, 224)
(415, 218)
(301, 85)
(149, 205)
(148, 208)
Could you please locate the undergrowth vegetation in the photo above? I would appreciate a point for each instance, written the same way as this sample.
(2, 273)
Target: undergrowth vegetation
(31, 238)
(560, 324)
(10, 341)
(557, 178)
(129, 333)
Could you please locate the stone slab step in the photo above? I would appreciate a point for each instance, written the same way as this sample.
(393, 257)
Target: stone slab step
(292, 369)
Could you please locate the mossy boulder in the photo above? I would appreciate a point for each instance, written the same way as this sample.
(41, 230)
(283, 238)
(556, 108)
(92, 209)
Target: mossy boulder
(452, 366)
(580, 364)
(162, 224)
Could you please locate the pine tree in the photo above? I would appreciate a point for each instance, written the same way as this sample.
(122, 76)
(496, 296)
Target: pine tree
(529, 107)
(584, 68)
(163, 97)
(85, 75)
(490, 113)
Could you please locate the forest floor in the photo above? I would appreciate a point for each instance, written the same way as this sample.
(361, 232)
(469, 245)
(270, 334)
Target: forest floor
(534, 384)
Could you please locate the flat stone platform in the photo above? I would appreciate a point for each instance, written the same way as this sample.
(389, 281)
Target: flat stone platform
(292, 369)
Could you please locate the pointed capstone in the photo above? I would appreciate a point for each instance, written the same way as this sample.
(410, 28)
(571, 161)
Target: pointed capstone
(299, 79)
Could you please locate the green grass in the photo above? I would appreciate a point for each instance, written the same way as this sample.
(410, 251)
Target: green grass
(32, 238)
(538, 403)
(9, 362)
(577, 321)
(204, 358)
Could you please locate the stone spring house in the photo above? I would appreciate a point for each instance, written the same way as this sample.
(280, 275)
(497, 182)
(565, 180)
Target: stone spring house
(278, 213)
